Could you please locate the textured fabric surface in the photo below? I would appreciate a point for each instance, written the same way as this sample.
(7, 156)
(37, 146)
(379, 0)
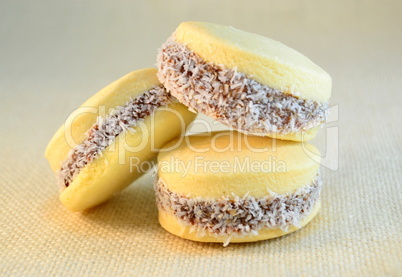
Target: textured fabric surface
(54, 55)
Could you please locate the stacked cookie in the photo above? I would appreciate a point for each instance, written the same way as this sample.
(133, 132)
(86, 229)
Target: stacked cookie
(252, 183)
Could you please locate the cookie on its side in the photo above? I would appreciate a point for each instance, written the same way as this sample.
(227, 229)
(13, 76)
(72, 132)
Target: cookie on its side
(100, 148)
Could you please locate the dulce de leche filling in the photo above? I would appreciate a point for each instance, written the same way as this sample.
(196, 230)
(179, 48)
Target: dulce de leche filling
(231, 97)
(238, 216)
(101, 134)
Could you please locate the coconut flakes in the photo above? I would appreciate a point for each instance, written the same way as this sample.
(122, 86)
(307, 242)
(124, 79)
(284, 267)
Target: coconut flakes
(238, 216)
(232, 98)
(105, 131)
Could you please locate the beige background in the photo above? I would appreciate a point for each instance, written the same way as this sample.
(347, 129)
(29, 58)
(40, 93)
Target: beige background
(55, 54)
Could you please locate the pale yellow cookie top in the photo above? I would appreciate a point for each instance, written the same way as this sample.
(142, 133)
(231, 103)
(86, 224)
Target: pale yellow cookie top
(267, 61)
(222, 163)
(72, 132)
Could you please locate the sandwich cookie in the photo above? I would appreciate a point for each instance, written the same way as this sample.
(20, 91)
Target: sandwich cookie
(231, 187)
(246, 81)
(98, 150)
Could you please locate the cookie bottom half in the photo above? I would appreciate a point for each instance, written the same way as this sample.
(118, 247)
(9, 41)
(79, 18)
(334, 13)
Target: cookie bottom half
(174, 226)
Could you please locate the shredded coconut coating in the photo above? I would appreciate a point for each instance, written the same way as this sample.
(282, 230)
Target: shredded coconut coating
(102, 133)
(232, 98)
(239, 216)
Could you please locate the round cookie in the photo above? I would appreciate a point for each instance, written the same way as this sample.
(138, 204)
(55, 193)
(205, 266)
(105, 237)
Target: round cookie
(103, 145)
(231, 187)
(246, 81)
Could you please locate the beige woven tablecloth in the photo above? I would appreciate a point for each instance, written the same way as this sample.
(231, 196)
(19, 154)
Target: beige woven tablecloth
(55, 54)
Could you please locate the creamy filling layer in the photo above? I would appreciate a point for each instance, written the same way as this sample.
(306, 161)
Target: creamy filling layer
(236, 215)
(231, 97)
(102, 133)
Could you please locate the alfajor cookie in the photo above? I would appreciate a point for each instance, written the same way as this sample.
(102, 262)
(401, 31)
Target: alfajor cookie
(246, 81)
(231, 187)
(97, 151)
